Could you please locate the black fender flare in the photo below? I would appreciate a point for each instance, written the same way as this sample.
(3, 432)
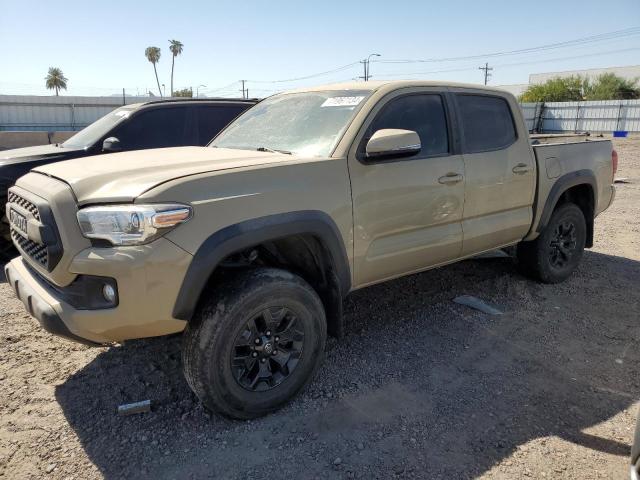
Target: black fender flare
(248, 233)
(564, 183)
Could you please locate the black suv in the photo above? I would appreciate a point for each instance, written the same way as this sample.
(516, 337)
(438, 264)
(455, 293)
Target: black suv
(155, 124)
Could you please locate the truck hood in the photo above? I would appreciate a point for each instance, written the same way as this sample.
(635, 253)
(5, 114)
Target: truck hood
(28, 154)
(121, 177)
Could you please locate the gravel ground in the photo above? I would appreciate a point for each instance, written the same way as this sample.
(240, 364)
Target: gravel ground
(420, 387)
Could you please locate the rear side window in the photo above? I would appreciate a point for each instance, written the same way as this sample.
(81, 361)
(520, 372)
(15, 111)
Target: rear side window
(157, 128)
(212, 119)
(422, 113)
(487, 123)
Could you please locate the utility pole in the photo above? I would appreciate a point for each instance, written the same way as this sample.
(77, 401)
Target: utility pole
(365, 63)
(364, 73)
(486, 69)
(245, 92)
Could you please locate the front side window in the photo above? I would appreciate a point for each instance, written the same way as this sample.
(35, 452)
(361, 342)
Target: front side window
(306, 123)
(486, 122)
(422, 113)
(155, 128)
(88, 136)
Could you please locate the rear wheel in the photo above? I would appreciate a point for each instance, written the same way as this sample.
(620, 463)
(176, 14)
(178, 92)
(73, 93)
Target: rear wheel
(556, 253)
(254, 343)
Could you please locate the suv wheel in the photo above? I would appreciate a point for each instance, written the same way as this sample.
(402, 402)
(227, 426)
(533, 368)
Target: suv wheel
(556, 253)
(254, 343)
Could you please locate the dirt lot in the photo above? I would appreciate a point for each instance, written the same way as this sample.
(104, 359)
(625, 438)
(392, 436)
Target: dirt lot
(419, 388)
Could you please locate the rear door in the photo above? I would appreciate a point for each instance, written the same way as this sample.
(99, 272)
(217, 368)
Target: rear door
(500, 171)
(407, 211)
(213, 118)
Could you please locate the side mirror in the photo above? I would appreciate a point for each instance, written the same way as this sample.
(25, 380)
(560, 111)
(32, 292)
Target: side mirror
(393, 143)
(111, 144)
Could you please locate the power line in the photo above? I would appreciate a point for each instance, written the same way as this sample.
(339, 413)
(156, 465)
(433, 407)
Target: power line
(599, 54)
(226, 87)
(514, 64)
(339, 69)
(568, 43)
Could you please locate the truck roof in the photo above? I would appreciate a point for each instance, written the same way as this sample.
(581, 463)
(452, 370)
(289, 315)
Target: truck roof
(215, 100)
(203, 100)
(393, 84)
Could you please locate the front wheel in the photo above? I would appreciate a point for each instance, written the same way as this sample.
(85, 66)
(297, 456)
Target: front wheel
(7, 250)
(556, 253)
(256, 342)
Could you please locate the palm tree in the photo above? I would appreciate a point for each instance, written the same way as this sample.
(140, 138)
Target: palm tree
(55, 79)
(176, 48)
(153, 55)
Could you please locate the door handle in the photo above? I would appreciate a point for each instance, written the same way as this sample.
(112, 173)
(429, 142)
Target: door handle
(521, 169)
(450, 178)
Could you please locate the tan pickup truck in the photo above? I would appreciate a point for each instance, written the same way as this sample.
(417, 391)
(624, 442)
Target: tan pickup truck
(250, 245)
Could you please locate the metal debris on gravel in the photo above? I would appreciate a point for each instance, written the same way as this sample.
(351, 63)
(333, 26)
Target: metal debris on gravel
(475, 302)
(132, 408)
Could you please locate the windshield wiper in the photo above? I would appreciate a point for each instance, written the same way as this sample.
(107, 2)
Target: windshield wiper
(273, 150)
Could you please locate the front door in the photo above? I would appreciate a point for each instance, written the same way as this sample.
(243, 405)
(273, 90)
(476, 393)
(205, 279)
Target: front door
(407, 211)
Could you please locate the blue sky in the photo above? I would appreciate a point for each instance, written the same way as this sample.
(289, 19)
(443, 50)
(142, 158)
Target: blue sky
(100, 45)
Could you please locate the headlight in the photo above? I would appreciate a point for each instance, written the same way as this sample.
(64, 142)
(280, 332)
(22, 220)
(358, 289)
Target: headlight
(131, 224)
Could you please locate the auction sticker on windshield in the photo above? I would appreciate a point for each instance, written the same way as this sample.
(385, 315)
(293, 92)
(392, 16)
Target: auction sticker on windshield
(342, 101)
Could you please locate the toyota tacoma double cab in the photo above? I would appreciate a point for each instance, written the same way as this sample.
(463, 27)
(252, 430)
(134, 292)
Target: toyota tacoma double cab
(249, 245)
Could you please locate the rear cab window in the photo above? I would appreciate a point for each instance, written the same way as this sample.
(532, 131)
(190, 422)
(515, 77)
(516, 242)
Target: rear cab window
(487, 122)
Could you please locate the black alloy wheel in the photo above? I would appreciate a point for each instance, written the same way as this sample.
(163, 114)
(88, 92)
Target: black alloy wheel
(563, 244)
(267, 350)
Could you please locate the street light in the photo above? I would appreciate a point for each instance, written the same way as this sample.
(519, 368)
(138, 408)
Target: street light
(198, 90)
(164, 90)
(367, 75)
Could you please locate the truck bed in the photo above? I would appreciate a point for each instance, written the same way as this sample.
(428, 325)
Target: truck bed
(559, 162)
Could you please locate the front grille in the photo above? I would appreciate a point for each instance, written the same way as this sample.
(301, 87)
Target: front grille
(49, 252)
(34, 250)
(24, 203)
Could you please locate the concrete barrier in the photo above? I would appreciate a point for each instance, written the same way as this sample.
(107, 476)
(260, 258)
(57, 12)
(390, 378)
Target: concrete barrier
(9, 140)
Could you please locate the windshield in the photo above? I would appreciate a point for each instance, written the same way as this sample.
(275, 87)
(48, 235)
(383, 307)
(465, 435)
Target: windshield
(308, 123)
(90, 135)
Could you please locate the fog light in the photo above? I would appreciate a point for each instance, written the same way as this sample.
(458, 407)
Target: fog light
(109, 293)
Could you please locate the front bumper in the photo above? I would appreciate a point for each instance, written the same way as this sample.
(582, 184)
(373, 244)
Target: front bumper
(38, 304)
(148, 280)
